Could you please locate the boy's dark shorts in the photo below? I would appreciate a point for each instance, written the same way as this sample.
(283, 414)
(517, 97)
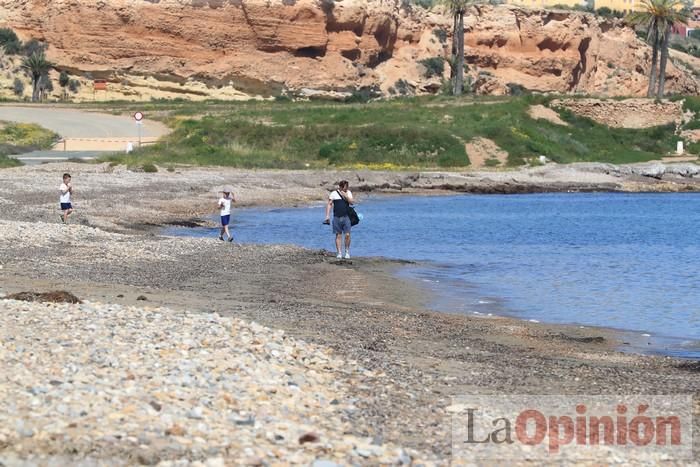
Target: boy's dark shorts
(225, 220)
(66, 206)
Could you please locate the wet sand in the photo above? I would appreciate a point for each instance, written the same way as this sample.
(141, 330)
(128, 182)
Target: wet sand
(416, 359)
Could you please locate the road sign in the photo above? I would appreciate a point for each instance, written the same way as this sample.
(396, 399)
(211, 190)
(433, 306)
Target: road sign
(138, 116)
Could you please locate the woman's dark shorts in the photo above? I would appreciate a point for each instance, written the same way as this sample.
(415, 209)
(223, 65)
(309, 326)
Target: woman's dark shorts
(341, 225)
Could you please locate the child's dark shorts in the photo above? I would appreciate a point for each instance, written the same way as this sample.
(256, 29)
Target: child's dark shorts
(225, 220)
(66, 206)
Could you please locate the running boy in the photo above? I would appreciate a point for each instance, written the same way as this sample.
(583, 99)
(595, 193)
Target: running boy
(225, 207)
(66, 192)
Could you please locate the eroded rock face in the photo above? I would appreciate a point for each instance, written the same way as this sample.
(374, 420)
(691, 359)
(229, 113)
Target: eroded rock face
(262, 47)
(628, 113)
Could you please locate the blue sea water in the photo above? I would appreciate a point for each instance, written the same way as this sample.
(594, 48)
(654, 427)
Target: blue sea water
(625, 261)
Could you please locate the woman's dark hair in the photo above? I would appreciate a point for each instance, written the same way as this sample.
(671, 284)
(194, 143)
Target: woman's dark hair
(343, 184)
(66, 175)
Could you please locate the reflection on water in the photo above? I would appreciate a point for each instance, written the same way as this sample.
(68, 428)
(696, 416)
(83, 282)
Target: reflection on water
(626, 261)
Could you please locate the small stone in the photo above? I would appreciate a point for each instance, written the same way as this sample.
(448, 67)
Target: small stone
(403, 458)
(242, 421)
(142, 298)
(308, 438)
(156, 406)
(215, 462)
(25, 432)
(175, 430)
(196, 413)
(148, 457)
(324, 463)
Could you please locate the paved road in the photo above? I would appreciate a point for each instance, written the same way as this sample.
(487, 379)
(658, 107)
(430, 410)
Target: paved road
(72, 123)
(42, 157)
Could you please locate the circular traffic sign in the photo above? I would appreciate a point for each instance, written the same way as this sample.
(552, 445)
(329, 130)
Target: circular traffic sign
(138, 116)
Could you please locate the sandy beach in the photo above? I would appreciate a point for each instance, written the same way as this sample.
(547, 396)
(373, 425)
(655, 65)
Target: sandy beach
(394, 365)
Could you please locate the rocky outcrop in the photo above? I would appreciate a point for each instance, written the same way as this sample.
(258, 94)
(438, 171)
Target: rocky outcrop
(627, 113)
(265, 47)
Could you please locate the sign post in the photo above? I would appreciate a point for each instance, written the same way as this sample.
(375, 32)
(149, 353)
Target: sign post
(138, 116)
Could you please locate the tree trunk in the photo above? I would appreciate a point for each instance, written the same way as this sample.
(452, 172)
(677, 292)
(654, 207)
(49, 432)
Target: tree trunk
(664, 61)
(654, 59)
(453, 58)
(459, 62)
(35, 87)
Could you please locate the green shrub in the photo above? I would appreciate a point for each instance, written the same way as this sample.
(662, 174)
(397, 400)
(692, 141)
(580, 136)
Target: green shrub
(441, 35)
(434, 66)
(402, 87)
(405, 132)
(515, 89)
(73, 85)
(363, 95)
(33, 46)
(10, 42)
(18, 87)
(427, 4)
(149, 168)
(63, 79)
(6, 162)
(692, 103)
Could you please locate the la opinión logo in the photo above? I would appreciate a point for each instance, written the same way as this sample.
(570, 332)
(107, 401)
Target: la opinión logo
(562, 430)
(586, 426)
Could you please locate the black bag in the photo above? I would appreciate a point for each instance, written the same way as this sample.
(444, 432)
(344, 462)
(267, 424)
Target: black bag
(352, 214)
(354, 218)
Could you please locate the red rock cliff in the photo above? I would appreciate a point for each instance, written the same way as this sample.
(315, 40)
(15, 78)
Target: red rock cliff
(265, 46)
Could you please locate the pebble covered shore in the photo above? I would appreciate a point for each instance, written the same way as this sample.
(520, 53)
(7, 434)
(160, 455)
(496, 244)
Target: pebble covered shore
(97, 384)
(157, 376)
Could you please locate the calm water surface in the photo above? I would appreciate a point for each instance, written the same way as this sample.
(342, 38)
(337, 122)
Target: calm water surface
(626, 261)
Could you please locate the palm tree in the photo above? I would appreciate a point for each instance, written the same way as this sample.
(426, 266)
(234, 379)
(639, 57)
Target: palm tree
(658, 17)
(37, 66)
(458, 8)
(674, 13)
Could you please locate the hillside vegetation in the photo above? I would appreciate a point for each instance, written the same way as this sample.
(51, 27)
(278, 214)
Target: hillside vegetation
(17, 138)
(420, 132)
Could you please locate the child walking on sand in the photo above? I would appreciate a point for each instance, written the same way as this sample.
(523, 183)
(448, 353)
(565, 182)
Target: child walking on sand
(225, 207)
(66, 192)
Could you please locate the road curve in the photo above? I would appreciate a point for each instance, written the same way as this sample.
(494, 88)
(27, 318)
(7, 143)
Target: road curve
(73, 123)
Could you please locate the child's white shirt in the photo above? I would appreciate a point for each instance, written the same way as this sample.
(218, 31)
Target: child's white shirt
(225, 204)
(65, 194)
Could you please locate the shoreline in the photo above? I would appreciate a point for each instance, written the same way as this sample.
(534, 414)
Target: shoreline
(630, 341)
(635, 341)
(416, 360)
(186, 193)
(419, 358)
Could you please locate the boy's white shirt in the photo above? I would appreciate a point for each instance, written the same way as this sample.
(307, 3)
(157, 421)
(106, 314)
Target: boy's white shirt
(225, 205)
(65, 194)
